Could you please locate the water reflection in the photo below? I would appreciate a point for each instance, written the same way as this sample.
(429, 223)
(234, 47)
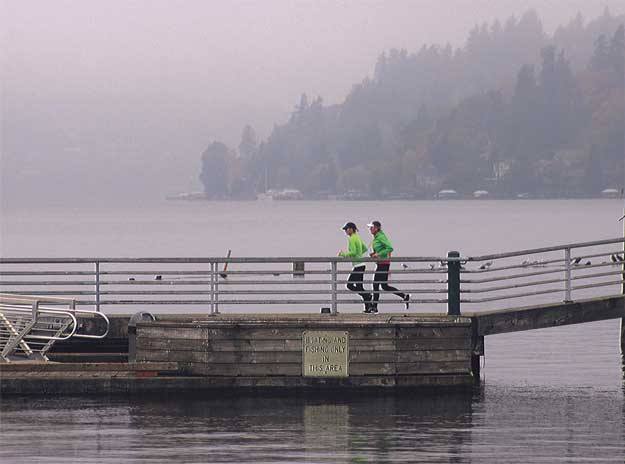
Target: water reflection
(407, 429)
(387, 429)
(326, 426)
(498, 423)
(345, 430)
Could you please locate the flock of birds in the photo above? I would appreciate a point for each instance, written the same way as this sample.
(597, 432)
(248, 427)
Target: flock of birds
(615, 258)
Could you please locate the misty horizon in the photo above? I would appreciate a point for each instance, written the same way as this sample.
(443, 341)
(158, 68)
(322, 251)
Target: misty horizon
(107, 103)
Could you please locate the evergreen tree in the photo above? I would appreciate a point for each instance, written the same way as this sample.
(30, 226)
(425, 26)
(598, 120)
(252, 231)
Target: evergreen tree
(616, 51)
(600, 58)
(249, 142)
(214, 174)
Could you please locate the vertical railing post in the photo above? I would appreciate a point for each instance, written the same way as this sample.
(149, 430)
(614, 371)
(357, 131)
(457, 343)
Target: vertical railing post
(97, 286)
(216, 288)
(567, 267)
(334, 288)
(35, 310)
(623, 267)
(567, 277)
(453, 283)
(623, 289)
(212, 288)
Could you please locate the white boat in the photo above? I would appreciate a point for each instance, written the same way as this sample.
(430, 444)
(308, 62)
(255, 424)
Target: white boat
(610, 193)
(447, 194)
(288, 194)
(265, 196)
(187, 196)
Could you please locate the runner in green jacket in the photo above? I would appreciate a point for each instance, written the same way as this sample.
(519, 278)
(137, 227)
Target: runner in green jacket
(356, 249)
(382, 249)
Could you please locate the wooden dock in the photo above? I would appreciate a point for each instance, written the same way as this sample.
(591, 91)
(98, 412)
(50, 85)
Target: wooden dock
(268, 352)
(269, 349)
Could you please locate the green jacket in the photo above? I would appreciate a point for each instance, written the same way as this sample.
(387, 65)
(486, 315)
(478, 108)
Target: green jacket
(381, 245)
(356, 249)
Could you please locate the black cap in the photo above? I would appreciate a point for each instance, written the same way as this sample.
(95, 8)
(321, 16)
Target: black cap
(349, 225)
(375, 223)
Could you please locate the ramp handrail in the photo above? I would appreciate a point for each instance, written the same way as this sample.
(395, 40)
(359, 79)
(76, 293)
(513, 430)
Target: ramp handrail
(30, 335)
(4, 309)
(29, 329)
(71, 303)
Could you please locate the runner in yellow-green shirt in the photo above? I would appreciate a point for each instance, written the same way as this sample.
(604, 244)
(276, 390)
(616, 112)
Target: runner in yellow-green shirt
(356, 249)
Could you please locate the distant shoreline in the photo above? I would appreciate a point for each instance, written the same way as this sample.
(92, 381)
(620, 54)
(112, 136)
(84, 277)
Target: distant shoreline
(471, 199)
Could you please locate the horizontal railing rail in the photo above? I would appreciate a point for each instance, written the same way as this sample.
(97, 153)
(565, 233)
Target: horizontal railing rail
(534, 251)
(220, 260)
(548, 274)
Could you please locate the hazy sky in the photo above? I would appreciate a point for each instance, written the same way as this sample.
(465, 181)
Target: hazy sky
(230, 58)
(182, 73)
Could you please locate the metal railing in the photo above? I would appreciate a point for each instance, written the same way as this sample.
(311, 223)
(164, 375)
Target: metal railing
(203, 282)
(559, 273)
(30, 325)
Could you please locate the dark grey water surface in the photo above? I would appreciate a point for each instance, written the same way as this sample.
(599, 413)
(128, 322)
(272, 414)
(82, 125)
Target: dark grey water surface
(552, 395)
(498, 424)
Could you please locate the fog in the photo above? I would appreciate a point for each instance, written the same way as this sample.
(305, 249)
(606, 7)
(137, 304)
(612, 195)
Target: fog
(109, 100)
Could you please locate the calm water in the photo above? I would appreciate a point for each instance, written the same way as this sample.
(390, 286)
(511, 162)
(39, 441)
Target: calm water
(552, 395)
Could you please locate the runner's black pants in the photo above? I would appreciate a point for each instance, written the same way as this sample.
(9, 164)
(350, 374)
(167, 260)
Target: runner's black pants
(354, 283)
(380, 279)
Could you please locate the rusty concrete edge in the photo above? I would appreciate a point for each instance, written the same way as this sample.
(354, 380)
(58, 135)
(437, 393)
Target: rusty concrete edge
(24, 386)
(259, 323)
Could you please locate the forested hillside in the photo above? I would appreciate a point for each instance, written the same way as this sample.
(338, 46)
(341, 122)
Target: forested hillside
(514, 110)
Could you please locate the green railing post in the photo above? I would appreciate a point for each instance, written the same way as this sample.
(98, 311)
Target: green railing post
(453, 284)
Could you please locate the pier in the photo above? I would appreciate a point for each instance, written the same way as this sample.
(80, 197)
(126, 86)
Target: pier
(198, 324)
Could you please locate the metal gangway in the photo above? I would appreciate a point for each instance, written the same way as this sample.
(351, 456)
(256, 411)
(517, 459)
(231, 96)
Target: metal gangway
(30, 325)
